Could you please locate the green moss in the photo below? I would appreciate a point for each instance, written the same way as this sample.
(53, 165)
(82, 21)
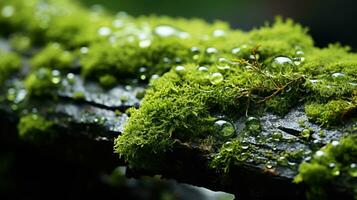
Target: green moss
(9, 64)
(78, 96)
(41, 83)
(107, 80)
(20, 43)
(34, 127)
(53, 56)
(337, 159)
(329, 113)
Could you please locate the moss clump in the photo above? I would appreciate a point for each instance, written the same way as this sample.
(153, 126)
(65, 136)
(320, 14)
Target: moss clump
(33, 127)
(335, 160)
(41, 82)
(20, 43)
(329, 113)
(9, 64)
(107, 81)
(53, 56)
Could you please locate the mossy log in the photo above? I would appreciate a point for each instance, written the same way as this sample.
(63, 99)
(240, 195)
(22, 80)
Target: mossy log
(260, 114)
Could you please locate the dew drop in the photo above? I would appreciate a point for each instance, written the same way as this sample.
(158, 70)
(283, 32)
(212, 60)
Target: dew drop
(144, 43)
(165, 30)
(180, 68)
(155, 76)
(225, 128)
(277, 136)
(7, 11)
(84, 50)
(319, 153)
(353, 170)
(219, 33)
(211, 50)
(203, 69)
(335, 143)
(337, 74)
(104, 31)
(235, 50)
(216, 78)
(282, 64)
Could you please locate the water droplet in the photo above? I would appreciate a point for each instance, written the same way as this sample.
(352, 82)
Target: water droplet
(335, 143)
(337, 74)
(282, 64)
(299, 53)
(155, 76)
(104, 31)
(253, 125)
(203, 69)
(222, 64)
(353, 170)
(195, 50)
(144, 43)
(313, 81)
(55, 72)
(70, 76)
(180, 68)
(216, 78)
(143, 77)
(56, 80)
(225, 128)
(178, 60)
(277, 136)
(319, 153)
(305, 133)
(331, 165)
(183, 35)
(7, 11)
(236, 50)
(165, 30)
(118, 23)
(245, 147)
(166, 60)
(268, 165)
(219, 33)
(84, 50)
(211, 50)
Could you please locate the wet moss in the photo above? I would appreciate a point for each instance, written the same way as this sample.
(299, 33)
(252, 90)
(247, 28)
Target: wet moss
(53, 56)
(335, 160)
(41, 83)
(9, 64)
(33, 127)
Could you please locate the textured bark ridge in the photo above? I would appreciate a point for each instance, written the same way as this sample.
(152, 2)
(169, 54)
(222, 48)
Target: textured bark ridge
(259, 114)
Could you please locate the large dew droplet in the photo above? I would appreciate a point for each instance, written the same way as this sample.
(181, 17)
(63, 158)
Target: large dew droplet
(225, 128)
(216, 78)
(282, 64)
(7, 11)
(165, 31)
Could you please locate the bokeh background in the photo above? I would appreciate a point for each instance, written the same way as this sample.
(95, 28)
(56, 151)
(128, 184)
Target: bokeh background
(329, 21)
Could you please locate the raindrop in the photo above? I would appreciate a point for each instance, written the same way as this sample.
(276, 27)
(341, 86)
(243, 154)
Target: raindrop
(216, 78)
(353, 170)
(335, 143)
(144, 43)
(219, 33)
(223, 64)
(180, 68)
(236, 50)
(155, 76)
(104, 31)
(277, 136)
(337, 74)
(7, 11)
(282, 64)
(319, 153)
(84, 50)
(165, 31)
(225, 128)
(268, 165)
(314, 81)
(211, 50)
(331, 165)
(195, 50)
(203, 69)
(118, 23)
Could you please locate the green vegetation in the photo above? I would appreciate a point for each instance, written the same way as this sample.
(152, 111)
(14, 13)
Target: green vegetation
(33, 127)
(335, 160)
(9, 64)
(201, 78)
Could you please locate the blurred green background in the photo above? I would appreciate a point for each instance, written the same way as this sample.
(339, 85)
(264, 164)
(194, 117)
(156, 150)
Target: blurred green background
(329, 21)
